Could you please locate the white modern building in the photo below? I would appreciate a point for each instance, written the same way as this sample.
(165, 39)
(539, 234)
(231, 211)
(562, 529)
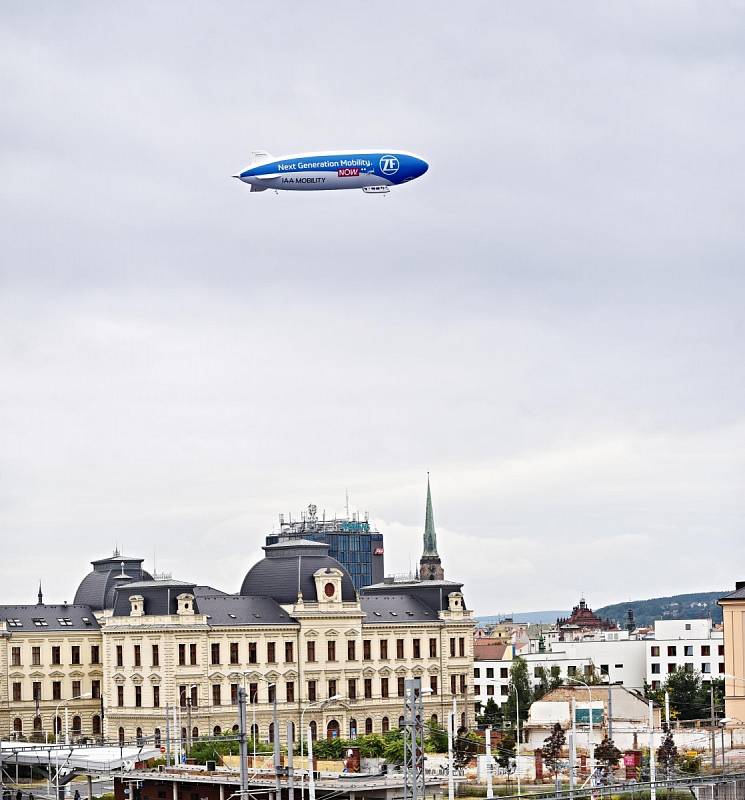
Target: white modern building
(690, 644)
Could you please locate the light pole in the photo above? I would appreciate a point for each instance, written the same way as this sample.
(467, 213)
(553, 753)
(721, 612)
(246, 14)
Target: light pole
(517, 741)
(56, 750)
(187, 704)
(253, 698)
(590, 759)
(317, 704)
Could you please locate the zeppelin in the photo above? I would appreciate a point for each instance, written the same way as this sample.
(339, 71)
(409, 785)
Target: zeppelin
(372, 171)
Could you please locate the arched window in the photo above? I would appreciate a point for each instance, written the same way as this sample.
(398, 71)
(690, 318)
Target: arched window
(195, 733)
(434, 719)
(352, 728)
(138, 736)
(121, 736)
(313, 730)
(217, 730)
(37, 723)
(400, 722)
(368, 726)
(156, 737)
(463, 720)
(235, 729)
(255, 732)
(333, 729)
(18, 725)
(58, 725)
(271, 731)
(385, 725)
(96, 724)
(77, 726)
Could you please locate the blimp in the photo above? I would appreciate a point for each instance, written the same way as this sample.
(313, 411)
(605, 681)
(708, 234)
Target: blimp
(375, 172)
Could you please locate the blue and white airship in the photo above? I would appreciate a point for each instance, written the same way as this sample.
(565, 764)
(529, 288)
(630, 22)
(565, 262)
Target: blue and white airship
(372, 171)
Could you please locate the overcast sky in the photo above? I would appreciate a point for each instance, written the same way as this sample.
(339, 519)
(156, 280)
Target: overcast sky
(550, 321)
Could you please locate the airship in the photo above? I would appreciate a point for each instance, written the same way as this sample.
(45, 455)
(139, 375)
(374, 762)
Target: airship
(372, 171)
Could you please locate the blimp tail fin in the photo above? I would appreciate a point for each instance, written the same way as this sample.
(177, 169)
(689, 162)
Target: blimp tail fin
(257, 156)
(255, 188)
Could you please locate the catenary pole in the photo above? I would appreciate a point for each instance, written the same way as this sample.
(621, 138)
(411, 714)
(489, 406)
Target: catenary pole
(489, 789)
(242, 748)
(652, 765)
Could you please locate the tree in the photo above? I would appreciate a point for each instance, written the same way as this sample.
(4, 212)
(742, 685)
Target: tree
(394, 747)
(549, 680)
(608, 752)
(467, 746)
(435, 738)
(552, 747)
(506, 751)
(521, 683)
(687, 700)
(491, 714)
(667, 752)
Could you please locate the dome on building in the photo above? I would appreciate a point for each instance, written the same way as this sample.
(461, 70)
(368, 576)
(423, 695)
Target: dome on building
(289, 566)
(96, 590)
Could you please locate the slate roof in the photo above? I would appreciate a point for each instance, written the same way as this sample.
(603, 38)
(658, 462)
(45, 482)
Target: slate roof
(394, 608)
(233, 609)
(23, 618)
(160, 597)
(288, 567)
(432, 594)
(96, 590)
(738, 594)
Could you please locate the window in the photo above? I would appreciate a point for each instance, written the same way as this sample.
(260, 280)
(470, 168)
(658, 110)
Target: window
(119, 656)
(271, 692)
(192, 654)
(721, 667)
(216, 699)
(490, 672)
(385, 725)
(156, 696)
(156, 655)
(655, 651)
(182, 696)
(463, 684)
(194, 697)
(289, 651)
(504, 672)
(537, 671)
(40, 622)
(75, 654)
(56, 657)
(655, 669)
(253, 692)
(720, 649)
(656, 684)
(366, 650)
(618, 666)
(400, 686)
(688, 650)
(368, 688)
(604, 669)
(15, 656)
(215, 653)
(271, 653)
(490, 689)
(96, 725)
(65, 622)
(433, 684)
(332, 688)
(688, 666)
(56, 690)
(417, 648)
(138, 696)
(290, 691)
(688, 626)
(76, 690)
(477, 672)
(383, 649)
(312, 691)
(453, 684)
(17, 692)
(399, 648)
(571, 671)
(351, 650)
(311, 648)
(234, 694)
(36, 690)
(384, 688)
(95, 654)
(331, 650)
(433, 648)
(368, 726)
(14, 623)
(138, 655)
(452, 647)
(96, 690)
(120, 696)
(705, 667)
(671, 668)
(672, 650)
(182, 654)
(234, 652)
(504, 690)
(705, 650)
(352, 689)
(461, 647)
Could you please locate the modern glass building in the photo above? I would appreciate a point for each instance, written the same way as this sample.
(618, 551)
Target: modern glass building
(351, 541)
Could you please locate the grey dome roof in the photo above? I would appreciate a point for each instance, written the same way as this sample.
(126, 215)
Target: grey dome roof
(289, 566)
(96, 590)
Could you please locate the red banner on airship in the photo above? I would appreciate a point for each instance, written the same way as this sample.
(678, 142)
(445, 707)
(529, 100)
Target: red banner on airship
(348, 172)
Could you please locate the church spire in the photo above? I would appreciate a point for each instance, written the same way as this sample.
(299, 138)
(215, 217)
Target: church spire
(40, 595)
(430, 566)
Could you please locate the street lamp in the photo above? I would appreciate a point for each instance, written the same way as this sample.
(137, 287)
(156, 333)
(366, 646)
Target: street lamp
(318, 704)
(589, 730)
(87, 696)
(252, 700)
(517, 741)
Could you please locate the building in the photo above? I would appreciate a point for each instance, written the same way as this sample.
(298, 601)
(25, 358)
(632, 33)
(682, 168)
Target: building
(155, 647)
(351, 541)
(733, 608)
(582, 622)
(430, 566)
(692, 644)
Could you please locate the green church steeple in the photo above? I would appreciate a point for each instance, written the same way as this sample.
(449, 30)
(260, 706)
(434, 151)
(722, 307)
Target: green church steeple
(430, 566)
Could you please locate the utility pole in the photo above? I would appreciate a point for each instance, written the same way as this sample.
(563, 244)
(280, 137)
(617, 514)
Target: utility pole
(242, 748)
(414, 783)
(489, 789)
(311, 774)
(290, 774)
(188, 726)
(610, 713)
(168, 735)
(573, 751)
(451, 782)
(713, 731)
(652, 765)
(277, 759)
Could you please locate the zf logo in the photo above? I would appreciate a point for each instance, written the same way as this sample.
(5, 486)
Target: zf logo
(389, 165)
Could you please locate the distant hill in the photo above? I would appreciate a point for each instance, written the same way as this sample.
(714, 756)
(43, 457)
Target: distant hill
(526, 616)
(697, 605)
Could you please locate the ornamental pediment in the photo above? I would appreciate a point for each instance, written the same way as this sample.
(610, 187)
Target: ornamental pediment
(236, 676)
(434, 670)
(37, 674)
(254, 676)
(332, 632)
(368, 672)
(154, 679)
(418, 671)
(137, 679)
(216, 676)
(77, 673)
(291, 673)
(56, 674)
(385, 671)
(273, 675)
(118, 678)
(311, 634)
(402, 671)
(352, 633)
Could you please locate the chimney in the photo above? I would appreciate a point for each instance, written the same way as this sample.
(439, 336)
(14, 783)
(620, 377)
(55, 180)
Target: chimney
(739, 585)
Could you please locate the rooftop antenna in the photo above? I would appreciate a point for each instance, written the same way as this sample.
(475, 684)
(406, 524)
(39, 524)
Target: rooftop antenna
(347, 493)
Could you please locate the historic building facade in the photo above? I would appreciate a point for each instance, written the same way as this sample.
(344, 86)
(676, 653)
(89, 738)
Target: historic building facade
(153, 653)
